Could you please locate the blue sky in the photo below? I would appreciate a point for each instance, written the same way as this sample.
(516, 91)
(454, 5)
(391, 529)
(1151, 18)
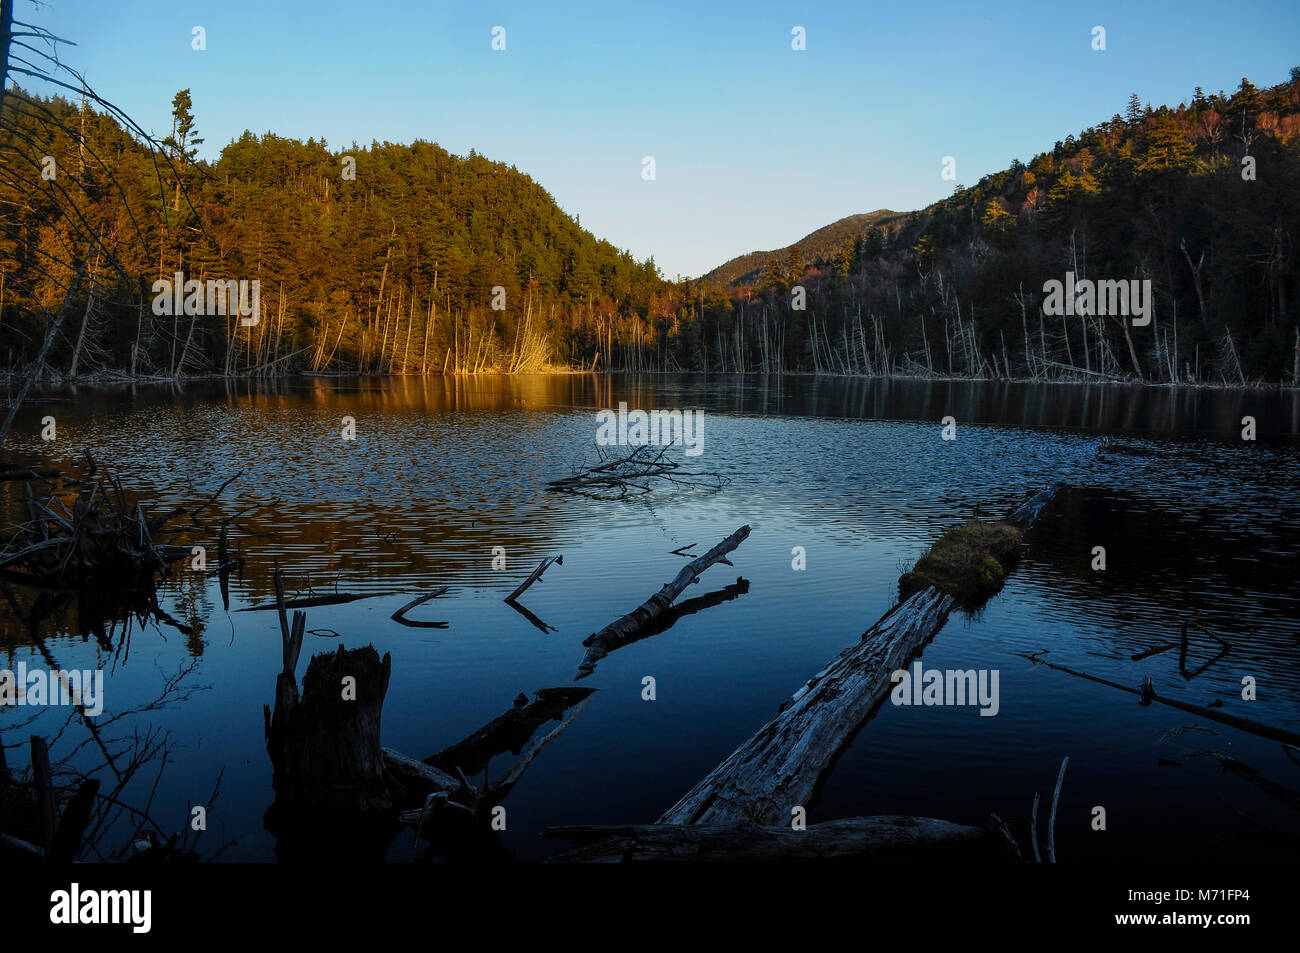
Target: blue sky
(755, 144)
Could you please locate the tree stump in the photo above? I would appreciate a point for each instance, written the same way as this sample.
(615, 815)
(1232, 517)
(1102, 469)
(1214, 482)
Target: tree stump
(327, 762)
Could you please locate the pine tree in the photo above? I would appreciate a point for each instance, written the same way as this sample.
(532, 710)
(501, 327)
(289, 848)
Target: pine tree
(1133, 115)
(182, 143)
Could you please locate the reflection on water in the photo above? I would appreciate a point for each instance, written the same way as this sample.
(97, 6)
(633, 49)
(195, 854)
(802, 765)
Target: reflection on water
(1194, 520)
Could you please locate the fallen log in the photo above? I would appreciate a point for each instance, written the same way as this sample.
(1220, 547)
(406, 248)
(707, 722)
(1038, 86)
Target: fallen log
(780, 766)
(885, 838)
(624, 628)
(598, 648)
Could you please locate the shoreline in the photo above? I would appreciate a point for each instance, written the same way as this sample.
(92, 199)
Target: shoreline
(115, 380)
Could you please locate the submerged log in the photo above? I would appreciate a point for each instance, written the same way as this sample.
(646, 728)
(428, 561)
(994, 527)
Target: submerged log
(625, 628)
(885, 838)
(1147, 694)
(780, 766)
(598, 648)
(400, 615)
(509, 731)
(338, 598)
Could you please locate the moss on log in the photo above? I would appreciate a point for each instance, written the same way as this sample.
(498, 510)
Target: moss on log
(970, 562)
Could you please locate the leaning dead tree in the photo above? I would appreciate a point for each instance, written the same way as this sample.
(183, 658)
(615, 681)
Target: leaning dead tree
(779, 767)
(637, 473)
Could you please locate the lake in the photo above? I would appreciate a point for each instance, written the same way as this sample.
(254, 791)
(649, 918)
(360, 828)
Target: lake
(1195, 522)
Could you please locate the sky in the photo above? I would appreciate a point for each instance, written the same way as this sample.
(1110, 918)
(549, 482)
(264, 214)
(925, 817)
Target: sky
(755, 144)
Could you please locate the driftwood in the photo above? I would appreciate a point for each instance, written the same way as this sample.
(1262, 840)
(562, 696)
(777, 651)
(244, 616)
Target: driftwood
(625, 628)
(94, 540)
(879, 838)
(338, 598)
(1148, 694)
(633, 473)
(1288, 796)
(509, 731)
(780, 766)
(598, 647)
(534, 576)
(1181, 645)
(400, 614)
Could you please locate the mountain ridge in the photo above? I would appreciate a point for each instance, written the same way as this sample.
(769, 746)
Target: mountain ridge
(818, 244)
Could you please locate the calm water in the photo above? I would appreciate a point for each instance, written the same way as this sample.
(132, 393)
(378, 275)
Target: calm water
(1199, 521)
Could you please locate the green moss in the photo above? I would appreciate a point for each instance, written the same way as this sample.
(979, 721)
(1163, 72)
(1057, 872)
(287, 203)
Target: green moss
(970, 561)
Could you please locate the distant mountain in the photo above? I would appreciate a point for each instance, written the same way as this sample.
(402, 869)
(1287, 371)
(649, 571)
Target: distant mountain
(821, 244)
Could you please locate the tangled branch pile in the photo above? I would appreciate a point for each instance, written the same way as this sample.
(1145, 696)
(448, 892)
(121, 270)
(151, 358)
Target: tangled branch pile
(634, 474)
(97, 538)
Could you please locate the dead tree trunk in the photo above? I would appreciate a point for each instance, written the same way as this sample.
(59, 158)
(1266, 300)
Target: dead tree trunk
(324, 745)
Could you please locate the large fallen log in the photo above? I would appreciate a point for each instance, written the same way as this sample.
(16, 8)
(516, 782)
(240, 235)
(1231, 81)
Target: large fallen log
(885, 838)
(779, 767)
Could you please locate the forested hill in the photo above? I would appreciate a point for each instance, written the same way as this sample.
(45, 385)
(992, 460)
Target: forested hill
(380, 258)
(1201, 199)
(824, 243)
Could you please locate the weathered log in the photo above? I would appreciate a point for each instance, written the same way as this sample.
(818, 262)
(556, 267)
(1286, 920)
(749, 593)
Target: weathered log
(779, 767)
(1023, 515)
(885, 838)
(623, 628)
(598, 648)
(417, 779)
(331, 600)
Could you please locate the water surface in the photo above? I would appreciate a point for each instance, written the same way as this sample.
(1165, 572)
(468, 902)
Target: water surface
(1195, 521)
